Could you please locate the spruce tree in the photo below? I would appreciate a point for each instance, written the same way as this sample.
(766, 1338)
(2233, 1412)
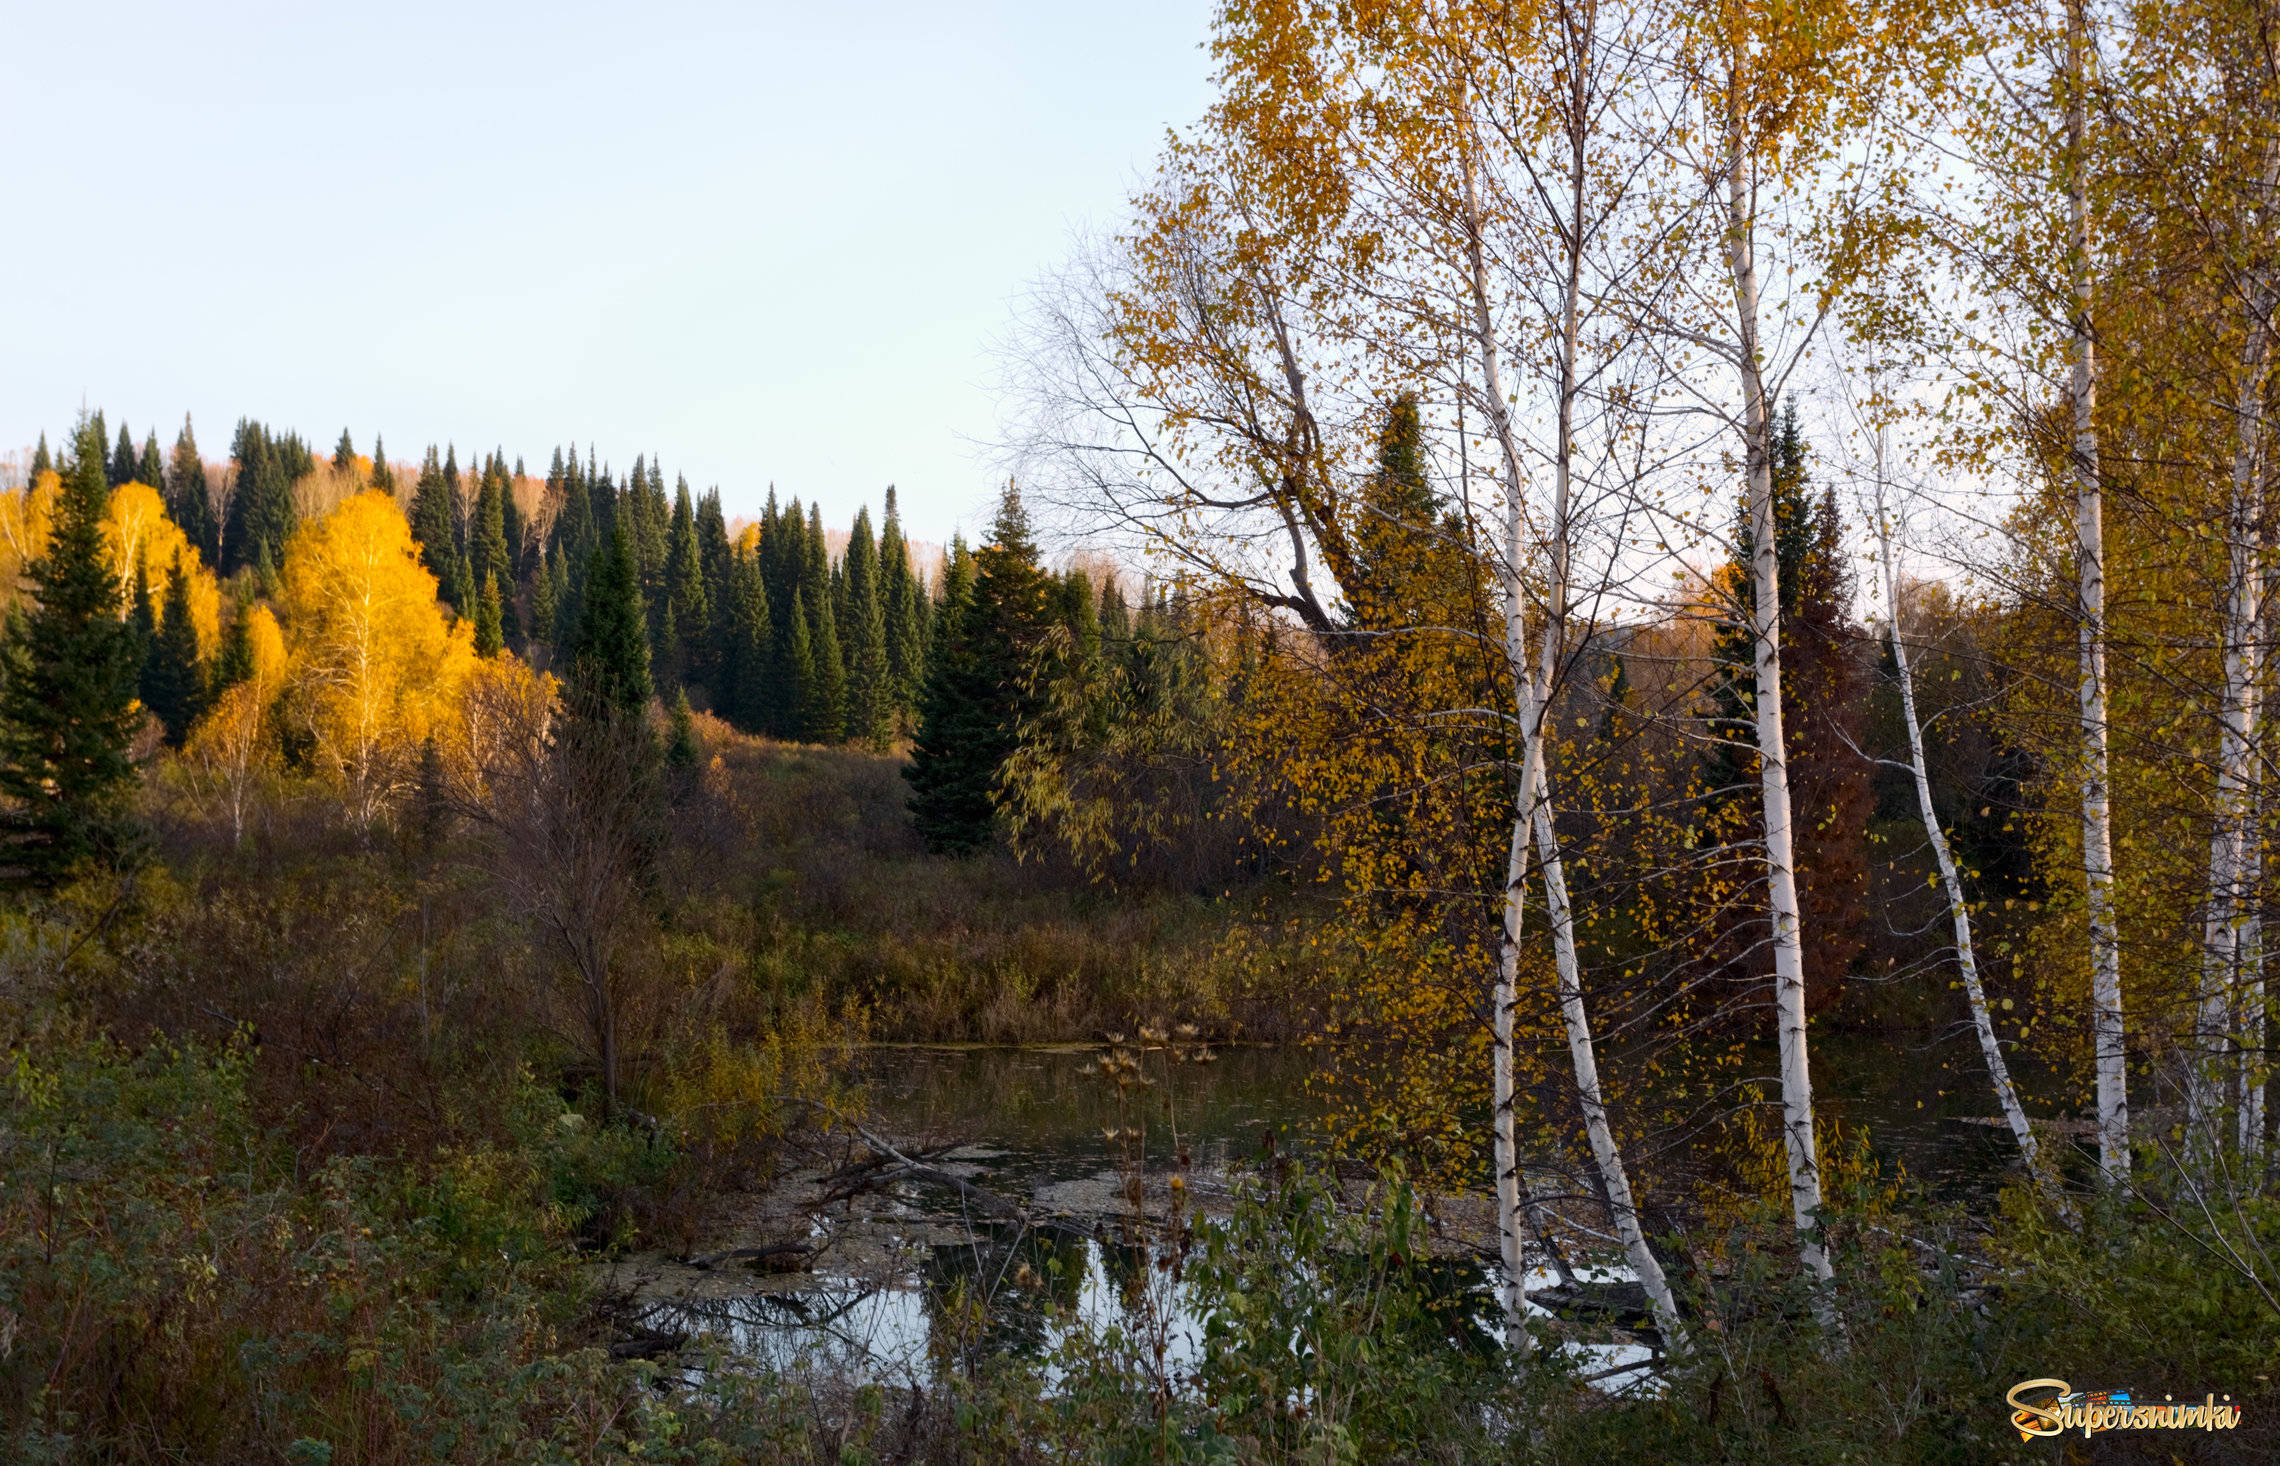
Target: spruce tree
(977, 692)
(795, 715)
(750, 649)
(870, 690)
(42, 460)
(383, 477)
(901, 606)
(665, 646)
(607, 501)
(67, 694)
(432, 516)
(188, 502)
(262, 514)
(344, 453)
(685, 589)
(249, 454)
(1395, 550)
(488, 558)
(567, 610)
(657, 523)
(151, 469)
(681, 750)
(542, 604)
(125, 462)
(512, 529)
(142, 621)
(490, 639)
(295, 458)
(455, 515)
(824, 716)
(717, 559)
(174, 682)
(609, 668)
(234, 662)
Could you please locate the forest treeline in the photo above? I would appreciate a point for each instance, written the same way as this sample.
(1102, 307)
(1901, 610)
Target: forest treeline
(773, 625)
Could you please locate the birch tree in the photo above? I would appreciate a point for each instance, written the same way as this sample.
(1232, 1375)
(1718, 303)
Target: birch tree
(1567, 66)
(1882, 516)
(1779, 88)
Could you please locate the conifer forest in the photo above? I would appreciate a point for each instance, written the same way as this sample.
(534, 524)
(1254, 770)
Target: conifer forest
(1589, 787)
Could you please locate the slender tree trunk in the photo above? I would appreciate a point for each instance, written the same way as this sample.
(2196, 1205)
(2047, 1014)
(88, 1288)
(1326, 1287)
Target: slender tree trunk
(1773, 759)
(2231, 898)
(1533, 688)
(2090, 575)
(1951, 881)
(1510, 1187)
(2252, 1069)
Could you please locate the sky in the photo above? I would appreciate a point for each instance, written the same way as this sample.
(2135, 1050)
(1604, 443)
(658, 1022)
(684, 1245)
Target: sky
(768, 244)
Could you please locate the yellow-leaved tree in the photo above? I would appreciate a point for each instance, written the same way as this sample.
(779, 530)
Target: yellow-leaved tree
(139, 536)
(231, 753)
(375, 668)
(24, 530)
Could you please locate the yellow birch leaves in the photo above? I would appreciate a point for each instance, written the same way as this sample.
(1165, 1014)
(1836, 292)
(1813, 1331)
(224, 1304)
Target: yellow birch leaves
(376, 668)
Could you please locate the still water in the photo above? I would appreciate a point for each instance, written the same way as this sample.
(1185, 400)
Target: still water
(1045, 1124)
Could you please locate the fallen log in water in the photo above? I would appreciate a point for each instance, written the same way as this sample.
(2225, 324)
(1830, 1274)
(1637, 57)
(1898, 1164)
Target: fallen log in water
(712, 1260)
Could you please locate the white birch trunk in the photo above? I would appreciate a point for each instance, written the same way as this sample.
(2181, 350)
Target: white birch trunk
(1510, 1188)
(2253, 1071)
(2090, 574)
(1773, 760)
(1951, 881)
(2231, 895)
(1533, 689)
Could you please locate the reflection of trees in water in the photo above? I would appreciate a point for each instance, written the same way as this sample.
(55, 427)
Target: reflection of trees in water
(856, 1328)
(996, 1295)
(993, 1294)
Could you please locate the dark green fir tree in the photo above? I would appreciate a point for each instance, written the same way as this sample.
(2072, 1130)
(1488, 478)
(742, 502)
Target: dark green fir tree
(823, 716)
(188, 501)
(68, 668)
(234, 662)
(609, 668)
(902, 607)
(383, 477)
(262, 515)
(174, 679)
(434, 519)
(681, 750)
(125, 461)
(490, 636)
(870, 688)
(977, 691)
(150, 469)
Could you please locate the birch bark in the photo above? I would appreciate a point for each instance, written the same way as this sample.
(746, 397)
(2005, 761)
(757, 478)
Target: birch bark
(2230, 899)
(1773, 765)
(2090, 612)
(1533, 688)
(1959, 909)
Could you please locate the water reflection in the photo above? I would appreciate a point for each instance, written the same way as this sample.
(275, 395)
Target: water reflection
(1018, 1294)
(1034, 1123)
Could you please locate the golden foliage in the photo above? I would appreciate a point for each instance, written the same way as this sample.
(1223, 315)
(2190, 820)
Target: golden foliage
(24, 516)
(138, 535)
(375, 668)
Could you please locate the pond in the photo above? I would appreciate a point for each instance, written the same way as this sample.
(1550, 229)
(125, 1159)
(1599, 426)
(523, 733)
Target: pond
(1045, 1125)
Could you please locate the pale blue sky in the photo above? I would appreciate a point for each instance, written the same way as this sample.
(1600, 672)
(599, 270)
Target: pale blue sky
(768, 243)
